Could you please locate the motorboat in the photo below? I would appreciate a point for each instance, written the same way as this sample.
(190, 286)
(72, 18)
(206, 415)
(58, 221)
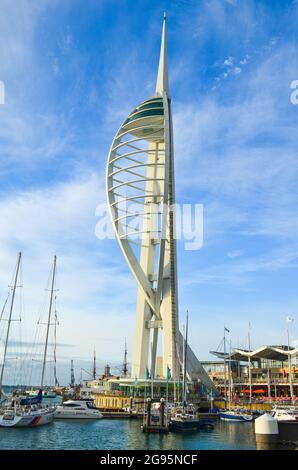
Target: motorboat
(285, 414)
(235, 415)
(184, 418)
(77, 409)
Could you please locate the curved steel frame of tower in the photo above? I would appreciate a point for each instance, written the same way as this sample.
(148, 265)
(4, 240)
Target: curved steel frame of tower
(141, 197)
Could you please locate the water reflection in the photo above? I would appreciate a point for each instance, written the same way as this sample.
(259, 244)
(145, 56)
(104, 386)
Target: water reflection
(125, 434)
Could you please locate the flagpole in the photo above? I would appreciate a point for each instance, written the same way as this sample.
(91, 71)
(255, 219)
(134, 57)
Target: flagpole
(178, 387)
(225, 371)
(167, 394)
(176, 362)
(174, 385)
(145, 393)
(249, 366)
(290, 320)
(230, 375)
(167, 389)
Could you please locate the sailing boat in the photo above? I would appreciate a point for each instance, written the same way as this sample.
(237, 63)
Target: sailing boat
(184, 417)
(28, 411)
(9, 321)
(50, 392)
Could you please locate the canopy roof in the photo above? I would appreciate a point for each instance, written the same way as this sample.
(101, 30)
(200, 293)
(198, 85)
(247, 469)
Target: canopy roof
(275, 353)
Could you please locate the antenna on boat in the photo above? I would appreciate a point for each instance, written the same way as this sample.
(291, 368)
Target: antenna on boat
(49, 322)
(10, 319)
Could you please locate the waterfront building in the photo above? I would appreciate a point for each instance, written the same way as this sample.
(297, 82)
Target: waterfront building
(117, 393)
(266, 373)
(140, 182)
(105, 383)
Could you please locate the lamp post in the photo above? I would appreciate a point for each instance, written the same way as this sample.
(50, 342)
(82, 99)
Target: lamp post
(289, 321)
(225, 366)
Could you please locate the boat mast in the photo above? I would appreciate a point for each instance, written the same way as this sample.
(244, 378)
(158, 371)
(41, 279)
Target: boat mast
(125, 368)
(72, 377)
(9, 320)
(55, 347)
(290, 320)
(94, 366)
(152, 371)
(225, 370)
(49, 322)
(184, 360)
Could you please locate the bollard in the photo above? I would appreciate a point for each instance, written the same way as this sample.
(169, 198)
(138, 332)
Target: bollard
(266, 430)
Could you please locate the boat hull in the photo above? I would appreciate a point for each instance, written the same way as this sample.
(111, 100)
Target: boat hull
(77, 409)
(79, 415)
(239, 418)
(32, 421)
(184, 425)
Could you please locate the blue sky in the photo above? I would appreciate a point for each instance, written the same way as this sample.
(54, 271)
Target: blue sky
(73, 70)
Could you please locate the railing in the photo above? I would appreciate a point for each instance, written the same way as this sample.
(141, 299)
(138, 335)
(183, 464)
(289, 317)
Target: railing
(278, 400)
(245, 382)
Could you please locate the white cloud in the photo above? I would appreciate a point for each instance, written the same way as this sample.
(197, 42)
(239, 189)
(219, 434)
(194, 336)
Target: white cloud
(229, 62)
(235, 253)
(236, 70)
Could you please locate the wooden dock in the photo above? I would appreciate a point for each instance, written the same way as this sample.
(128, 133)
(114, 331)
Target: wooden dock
(155, 418)
(121, 415)
(212, 416)
(140, 415)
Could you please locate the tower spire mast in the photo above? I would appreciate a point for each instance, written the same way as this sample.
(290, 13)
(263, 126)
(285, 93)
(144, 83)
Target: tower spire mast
(154, 263)
(162, 83)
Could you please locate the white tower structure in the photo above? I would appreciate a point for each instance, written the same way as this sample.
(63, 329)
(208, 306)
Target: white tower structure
(141, 195)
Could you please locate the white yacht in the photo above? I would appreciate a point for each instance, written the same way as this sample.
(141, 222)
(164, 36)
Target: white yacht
(77, 409)
(285, 414)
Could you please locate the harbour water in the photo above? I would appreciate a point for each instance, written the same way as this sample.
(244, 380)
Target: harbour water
(124, 434)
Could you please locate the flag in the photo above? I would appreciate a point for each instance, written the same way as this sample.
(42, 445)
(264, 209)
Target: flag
(168, 373)
(147, 374)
